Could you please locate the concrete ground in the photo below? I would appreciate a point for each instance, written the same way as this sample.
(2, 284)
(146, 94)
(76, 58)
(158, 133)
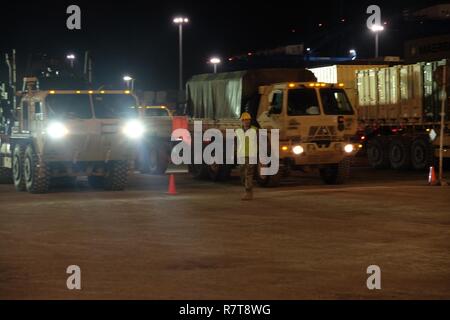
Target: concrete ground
(303, 240)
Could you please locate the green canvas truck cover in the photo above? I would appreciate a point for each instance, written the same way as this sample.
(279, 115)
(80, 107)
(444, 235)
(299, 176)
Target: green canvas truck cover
(226, 95)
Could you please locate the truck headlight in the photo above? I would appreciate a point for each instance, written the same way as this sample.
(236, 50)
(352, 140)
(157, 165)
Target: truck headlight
(134, 129)
(57, 130)
(298, 150)
(349, 148)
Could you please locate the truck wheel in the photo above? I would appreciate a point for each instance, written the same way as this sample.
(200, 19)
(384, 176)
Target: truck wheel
(377, 153)
(268, 181)
(6, 176)
(336, 173)
(219, 172)
(117, 176)
(198, 171)
(96, 182)
(399, 154)
(37, 175)
(422, 156)
(17, 170)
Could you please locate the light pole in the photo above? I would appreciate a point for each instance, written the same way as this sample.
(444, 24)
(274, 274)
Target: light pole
(214, 61)
(71, 58)
(376, 29)
(130, 82)
(180, 21)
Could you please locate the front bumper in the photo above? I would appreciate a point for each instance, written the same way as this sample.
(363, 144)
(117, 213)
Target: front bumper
(88, 148)
(314, 154)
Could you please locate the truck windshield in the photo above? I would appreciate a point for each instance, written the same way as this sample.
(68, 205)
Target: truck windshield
(114, 106)
(335, 102)
(68, 106)
(303, 102)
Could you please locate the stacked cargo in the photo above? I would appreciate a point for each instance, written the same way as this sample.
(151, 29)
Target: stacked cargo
(342, 74)
(400, 110)
(407, 94)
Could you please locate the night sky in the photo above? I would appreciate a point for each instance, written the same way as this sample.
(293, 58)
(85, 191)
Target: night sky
(139, 38)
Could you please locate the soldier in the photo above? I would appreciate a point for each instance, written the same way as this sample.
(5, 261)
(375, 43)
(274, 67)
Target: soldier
(247, 153)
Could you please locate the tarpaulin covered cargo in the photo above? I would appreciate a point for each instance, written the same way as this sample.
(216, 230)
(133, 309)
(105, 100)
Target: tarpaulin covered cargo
(226, 95)
(401, 93)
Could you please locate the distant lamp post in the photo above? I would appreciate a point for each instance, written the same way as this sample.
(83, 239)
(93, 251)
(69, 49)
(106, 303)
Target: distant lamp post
(180, 21)
(130, 82)
(215, 61)
(376, 29)
(353, 54)
(71, 58)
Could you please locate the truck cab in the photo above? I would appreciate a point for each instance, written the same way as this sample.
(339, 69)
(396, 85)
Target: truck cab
(71, 133)
(316, 123)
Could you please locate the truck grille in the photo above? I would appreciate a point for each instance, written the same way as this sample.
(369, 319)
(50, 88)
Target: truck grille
(322, 133)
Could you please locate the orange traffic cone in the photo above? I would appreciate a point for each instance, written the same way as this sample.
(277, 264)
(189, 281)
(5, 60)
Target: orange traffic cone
(432, 181)
(172, 188)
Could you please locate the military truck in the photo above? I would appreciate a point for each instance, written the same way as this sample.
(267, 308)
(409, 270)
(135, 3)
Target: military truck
(399, 110)
(316, 120)
(64, 134)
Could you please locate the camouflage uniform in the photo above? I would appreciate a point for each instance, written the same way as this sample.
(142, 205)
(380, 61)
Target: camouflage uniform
(247, 173)
(247, 170)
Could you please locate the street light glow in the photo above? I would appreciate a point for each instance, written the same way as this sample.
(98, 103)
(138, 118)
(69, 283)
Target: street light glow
(127, 78)
(215, 60)
(180, 20)
(377, 28)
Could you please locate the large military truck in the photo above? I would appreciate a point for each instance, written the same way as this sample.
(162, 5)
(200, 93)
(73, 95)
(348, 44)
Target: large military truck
(399, 112)
(316, 120)
(64, 134)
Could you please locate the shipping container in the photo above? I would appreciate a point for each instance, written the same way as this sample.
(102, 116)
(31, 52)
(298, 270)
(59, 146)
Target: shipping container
(399, 109)
(400, 94)
(341, 74)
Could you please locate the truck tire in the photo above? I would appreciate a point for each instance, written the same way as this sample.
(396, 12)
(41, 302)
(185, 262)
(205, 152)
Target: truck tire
(422, 153)
(17, 170)
(219, 172)
(117, 176)
(377, 153)
(36, 175)
(6, 176)
(399, 153)
(199, 171)
(336, 173)
(268, 181)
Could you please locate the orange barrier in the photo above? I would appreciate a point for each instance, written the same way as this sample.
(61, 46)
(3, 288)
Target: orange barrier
(172, 188)
(432, 181)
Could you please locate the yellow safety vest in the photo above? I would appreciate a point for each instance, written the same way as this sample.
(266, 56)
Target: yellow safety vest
(245, 149)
